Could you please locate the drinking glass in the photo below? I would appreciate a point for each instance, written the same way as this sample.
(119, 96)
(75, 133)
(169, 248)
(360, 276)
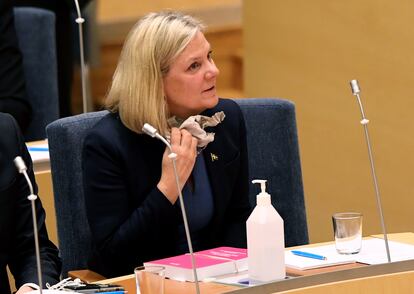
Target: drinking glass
(150, 279)
(348, 232)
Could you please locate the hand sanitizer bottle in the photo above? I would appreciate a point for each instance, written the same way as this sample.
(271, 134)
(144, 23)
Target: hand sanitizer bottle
(265, 240)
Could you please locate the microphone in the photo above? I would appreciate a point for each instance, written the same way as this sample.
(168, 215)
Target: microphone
(21, 168)
(355, 87)
(151, 131)
(80, 20)
(355, 91)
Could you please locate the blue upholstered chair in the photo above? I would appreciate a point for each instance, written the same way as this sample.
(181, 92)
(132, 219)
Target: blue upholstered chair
(65, 138)
(273, 155)
(273, 150)
(35, 30)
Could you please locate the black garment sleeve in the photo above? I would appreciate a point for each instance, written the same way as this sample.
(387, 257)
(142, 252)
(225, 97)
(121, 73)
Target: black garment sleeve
(127, 227)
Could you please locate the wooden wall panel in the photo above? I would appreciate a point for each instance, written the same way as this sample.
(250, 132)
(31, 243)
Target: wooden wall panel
(308, 51)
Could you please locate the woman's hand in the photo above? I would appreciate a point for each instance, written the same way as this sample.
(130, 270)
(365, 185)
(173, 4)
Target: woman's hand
(24, 289)
(185, 146)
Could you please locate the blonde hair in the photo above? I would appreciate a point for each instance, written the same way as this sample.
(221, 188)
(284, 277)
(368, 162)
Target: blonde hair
(137, 91)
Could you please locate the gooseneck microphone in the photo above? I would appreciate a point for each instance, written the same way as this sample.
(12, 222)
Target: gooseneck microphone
(80, 20)
(21, 168)
(151, 131)
(355, 91)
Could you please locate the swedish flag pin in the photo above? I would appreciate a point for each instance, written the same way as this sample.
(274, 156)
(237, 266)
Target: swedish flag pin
(213, 157)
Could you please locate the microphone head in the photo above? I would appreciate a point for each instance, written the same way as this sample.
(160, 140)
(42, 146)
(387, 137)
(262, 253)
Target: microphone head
(20, 165)
(149, 130)
(355, 87)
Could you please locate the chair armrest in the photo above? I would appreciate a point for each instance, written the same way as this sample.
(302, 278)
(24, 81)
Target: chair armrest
(86, 275)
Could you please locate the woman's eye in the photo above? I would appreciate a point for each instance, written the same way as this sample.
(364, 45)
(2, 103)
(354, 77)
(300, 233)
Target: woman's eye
(194, 66)
(210, 55)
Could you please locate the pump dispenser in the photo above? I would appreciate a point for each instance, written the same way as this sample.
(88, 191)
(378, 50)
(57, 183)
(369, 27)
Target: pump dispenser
(265, 240)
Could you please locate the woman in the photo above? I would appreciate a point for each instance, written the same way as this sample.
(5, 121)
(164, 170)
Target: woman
(165, 70)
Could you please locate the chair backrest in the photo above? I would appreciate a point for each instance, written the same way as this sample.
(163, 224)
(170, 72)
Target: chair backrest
(273, 155)
(65, 138)
(273, 151)
(35, 30)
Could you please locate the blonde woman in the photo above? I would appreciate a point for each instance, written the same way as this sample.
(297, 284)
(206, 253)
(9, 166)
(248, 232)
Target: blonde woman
(165, 70)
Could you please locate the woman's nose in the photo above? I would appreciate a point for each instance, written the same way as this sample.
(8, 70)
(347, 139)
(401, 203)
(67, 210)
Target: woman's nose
(212, 71)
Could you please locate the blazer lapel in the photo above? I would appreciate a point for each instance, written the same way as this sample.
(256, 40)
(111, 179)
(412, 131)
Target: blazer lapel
(217, 156)
(215, 170)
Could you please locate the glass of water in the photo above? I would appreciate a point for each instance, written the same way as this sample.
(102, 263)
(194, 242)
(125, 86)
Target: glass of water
(348, 232)
(150, 279)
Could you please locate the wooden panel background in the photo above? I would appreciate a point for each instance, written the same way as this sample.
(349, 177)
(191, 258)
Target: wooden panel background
(308, 51)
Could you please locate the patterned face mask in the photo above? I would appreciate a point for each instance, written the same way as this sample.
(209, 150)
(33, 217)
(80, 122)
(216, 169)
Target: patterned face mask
(195, 125)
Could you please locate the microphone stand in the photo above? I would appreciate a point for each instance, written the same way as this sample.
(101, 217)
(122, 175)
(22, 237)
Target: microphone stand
(80, 20)
(364, 122)
(151, 131)
(21, 167)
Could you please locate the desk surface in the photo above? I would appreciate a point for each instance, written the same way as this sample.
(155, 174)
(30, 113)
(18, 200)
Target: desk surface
(172, 287)
(400, 283)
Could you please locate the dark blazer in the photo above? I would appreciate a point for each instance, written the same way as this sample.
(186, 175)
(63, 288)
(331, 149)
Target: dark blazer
(16, 227)
(130, 219)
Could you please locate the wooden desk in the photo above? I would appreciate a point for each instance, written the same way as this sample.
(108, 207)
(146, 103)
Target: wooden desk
(173, 287)
(347, 277)
(388, 278)
(385, 284)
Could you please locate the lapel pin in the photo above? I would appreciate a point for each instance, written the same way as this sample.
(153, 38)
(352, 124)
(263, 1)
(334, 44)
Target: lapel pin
(213, 157)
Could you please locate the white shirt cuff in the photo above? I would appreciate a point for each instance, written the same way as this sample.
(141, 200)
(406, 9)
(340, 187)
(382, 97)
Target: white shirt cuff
(31, 285)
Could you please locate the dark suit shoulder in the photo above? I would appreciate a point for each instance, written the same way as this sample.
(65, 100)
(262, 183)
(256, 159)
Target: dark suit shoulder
(113, 138)
(227, 105)
(9, 139)
(109, 129)
(11, 143)
(231, 110)
(109, 124)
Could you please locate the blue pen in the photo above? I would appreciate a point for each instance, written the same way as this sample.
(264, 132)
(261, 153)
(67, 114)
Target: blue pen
(308, 255)
(38, 149)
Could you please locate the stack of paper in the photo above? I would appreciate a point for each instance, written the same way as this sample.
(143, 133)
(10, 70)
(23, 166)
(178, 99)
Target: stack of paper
(372, 252)
(304, 263)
